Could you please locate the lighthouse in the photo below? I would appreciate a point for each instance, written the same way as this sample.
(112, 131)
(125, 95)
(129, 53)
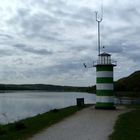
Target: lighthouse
(104, 76)
(104, 82)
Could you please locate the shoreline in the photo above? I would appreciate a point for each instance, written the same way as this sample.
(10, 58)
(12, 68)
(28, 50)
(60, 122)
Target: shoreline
(25, 128)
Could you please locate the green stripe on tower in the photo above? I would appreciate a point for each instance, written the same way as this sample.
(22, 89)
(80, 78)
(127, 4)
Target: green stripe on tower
(104, 68)
(99, 104)
(104, 93)
(104, 79)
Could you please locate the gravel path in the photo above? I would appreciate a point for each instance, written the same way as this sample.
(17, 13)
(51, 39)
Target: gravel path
(88, 124)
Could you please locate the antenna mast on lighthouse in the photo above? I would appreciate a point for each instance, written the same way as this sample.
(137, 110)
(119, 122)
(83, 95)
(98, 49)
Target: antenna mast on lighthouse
(99, 19)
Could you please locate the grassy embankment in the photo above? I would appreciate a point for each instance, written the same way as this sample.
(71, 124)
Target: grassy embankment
(127, 126)
(27, 127)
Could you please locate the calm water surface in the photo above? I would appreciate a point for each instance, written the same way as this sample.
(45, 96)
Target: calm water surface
(18, 105)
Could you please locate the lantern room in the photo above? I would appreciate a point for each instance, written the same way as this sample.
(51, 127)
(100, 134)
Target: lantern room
(105, 59)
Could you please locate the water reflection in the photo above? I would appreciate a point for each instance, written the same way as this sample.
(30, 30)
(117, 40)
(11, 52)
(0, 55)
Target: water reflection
(19, 105)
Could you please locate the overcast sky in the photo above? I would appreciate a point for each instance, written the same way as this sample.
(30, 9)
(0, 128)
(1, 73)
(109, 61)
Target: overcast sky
(47, 41)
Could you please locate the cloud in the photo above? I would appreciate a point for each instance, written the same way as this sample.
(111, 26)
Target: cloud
(6, 36)
(25, 48)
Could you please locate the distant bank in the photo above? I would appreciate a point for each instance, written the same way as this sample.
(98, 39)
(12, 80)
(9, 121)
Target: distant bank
(58, 88)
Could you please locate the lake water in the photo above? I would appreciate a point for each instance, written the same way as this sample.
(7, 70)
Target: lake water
(18, 105)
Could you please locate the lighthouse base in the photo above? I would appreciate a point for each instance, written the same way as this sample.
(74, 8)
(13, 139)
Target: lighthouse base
(105, 106)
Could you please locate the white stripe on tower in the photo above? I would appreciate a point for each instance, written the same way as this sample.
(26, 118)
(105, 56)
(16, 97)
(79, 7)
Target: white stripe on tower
(104, 73)
(105, 99)
(104, 86)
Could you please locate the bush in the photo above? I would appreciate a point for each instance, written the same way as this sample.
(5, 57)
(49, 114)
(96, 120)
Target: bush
(19, 126)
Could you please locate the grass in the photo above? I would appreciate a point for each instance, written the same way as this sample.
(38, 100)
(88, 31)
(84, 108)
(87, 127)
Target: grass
(25, 128)
(127, 126)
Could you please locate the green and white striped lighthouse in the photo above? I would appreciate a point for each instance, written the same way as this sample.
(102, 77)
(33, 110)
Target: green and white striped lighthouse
(104, 82)
(104, 76)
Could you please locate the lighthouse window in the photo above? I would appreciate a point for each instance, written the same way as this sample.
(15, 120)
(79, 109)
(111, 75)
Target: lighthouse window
(106, 60)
